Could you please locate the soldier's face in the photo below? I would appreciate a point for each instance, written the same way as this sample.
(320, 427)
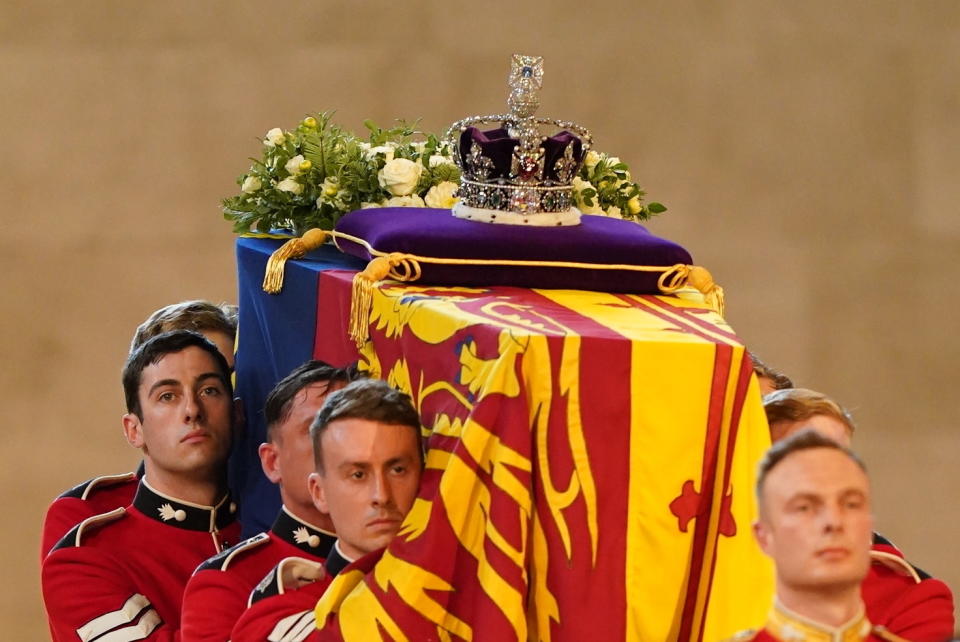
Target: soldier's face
(370, 478)
(224, 343)
(815, 520)
(186, 424)
(292, 449)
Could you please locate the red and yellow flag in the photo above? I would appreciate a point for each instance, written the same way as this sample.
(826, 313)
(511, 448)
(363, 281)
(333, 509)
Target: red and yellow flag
(589, 475)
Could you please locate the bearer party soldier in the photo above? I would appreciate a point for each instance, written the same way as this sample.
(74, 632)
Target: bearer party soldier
(216, 595)
(105, 493)
(815, 522)
(121, 575)
(899, 596)
(368, 459)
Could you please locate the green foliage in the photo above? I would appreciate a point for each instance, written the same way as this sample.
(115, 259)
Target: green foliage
(317, 172)
(312, 175)
(604, 186)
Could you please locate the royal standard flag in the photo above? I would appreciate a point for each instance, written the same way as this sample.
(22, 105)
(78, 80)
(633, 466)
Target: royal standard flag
(589, 474)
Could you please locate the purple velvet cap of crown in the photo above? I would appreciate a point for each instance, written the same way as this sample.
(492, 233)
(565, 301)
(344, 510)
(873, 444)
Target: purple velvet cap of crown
(435, 233)
(498, 146)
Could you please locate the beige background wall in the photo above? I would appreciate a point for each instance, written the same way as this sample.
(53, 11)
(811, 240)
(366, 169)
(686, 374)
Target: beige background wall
(809, 154)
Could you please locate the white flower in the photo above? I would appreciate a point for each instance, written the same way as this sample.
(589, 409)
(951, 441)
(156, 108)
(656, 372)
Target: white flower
(250, 184)
(367, 205)
(418, 146)
(614, 212)
(439, 159)
(591, 209)
(580, 184)
(290, 185)
(387, 151)
(400, 176)
(410, 200)
(275, 137)
(293, 165)
(613, 160)
(592, 159)
(442, 196)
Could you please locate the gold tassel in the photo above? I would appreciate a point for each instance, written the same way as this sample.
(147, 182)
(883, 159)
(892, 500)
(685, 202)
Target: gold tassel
(702, 280)
(361, 299)
(293, 249)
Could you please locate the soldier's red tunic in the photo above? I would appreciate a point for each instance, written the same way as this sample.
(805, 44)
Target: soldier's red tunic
(288, 616)
(218, 593)
(905, 600)
(93, 497)
(122, 574)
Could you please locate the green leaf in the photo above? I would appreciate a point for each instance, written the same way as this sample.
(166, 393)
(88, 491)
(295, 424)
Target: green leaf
(656, 208)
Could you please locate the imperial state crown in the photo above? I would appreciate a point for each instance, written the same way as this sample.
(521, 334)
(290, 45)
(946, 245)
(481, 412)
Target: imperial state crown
(515, 173)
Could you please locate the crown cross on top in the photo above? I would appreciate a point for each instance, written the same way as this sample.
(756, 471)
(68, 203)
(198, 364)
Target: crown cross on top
(516, 172)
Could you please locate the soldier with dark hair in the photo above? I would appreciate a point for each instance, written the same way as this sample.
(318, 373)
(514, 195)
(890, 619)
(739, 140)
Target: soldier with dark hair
(216, 595)
(768, 378)
(121, 575)
(218, 323)
(368, 459)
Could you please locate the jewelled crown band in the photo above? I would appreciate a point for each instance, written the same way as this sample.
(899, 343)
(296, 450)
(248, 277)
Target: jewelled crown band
(515, 173)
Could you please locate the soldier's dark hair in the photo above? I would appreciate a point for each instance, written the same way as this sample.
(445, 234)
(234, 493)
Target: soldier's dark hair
(780, 380)
(153, 350)
(199, 316)
(369, 399)
(806, 439)
(277, 407)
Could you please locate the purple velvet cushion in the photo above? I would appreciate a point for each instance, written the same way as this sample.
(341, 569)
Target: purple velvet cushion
(437, 233)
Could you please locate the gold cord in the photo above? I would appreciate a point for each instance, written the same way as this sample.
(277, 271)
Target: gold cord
(405, 267)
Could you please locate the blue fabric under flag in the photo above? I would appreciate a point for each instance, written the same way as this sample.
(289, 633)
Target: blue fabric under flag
(276, 334)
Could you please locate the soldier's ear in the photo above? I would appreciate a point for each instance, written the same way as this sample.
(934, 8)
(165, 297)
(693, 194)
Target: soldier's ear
(133, 430)
(317, 493)
(762, 534)
(269, 462)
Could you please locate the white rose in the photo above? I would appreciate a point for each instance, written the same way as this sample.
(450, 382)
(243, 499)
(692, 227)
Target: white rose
(365, 205)
(592, 159)
(439, 159)
(410, 200)
(275, 137)
(400, 176)
(614, 212)
(612, 160)
(386, 150)
(290, 185)
(441, 195)
(293, 165)
(250, 184)
(579, 184)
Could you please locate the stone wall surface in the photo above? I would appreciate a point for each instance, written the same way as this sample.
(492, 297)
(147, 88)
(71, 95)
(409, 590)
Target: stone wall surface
(809, 154)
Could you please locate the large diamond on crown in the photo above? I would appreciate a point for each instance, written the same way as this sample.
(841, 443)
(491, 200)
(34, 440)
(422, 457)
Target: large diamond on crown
(519, 171)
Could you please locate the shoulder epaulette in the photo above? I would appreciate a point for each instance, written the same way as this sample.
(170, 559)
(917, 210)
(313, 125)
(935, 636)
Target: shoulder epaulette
(72, 539)
(896, 564)
(289, 569)
(224, 558)
(882, 633)
(83, 490)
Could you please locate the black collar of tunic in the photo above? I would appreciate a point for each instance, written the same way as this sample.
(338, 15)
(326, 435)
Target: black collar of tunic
(182, 514)
(313, 541)
(336, 561)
